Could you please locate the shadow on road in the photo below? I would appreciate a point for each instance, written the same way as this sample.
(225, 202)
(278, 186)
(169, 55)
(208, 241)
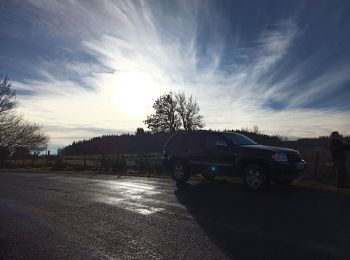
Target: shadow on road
(281, 223)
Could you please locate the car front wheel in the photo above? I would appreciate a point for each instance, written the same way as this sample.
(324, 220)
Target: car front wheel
(255, 178)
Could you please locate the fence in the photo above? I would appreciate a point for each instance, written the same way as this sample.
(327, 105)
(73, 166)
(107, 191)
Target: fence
(319, 163)
(138, 163)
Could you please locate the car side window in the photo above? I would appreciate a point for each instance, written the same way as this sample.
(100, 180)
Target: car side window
(213, 140)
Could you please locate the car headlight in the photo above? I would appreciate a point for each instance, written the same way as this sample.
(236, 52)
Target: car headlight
(280, 157)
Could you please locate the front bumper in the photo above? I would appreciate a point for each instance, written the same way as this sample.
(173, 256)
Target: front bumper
(286, 171)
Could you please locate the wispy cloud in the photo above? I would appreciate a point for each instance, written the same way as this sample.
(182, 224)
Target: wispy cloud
(119, 56)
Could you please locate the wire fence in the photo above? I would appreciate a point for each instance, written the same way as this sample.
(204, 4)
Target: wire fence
(319, 163)
(138, 163)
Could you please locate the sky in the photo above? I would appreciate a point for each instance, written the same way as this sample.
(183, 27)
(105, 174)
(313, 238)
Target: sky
(89, 68)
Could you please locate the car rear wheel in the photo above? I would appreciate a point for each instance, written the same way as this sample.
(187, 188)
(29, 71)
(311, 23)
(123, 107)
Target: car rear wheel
(255, 178)
(179, 172)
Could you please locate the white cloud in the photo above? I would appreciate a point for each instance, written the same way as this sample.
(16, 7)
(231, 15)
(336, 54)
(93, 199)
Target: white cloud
(143, 51)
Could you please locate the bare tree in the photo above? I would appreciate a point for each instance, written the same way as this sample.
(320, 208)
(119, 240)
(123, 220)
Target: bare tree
(173, 111)
(165, 118)
(7, 95)
(188, 110)
(255, 129)
(16, 133)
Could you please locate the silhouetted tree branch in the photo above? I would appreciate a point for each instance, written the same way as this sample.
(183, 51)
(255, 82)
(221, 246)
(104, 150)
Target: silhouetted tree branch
(188, 110)
(173, 112)
(7, 95)
(16, 133)
(165, 118)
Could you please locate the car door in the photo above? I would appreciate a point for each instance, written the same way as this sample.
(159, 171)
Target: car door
(195, 150)
(220, 154)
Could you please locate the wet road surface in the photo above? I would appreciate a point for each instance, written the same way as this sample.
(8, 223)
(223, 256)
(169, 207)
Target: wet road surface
(63, 216)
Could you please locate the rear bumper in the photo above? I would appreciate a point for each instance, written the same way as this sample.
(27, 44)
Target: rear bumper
(286, 171)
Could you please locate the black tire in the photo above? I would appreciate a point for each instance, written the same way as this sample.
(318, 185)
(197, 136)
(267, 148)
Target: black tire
(208, 176)
(179, 172)
(255, 178)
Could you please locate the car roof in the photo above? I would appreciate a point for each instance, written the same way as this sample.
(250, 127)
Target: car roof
(203, 131)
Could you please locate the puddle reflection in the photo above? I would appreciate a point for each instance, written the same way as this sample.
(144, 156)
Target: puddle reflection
(129, 196)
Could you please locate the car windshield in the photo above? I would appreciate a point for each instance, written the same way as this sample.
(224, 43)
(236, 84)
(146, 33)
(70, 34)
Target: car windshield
(239, 139)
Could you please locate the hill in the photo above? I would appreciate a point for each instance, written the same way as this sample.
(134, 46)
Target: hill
(146, 142)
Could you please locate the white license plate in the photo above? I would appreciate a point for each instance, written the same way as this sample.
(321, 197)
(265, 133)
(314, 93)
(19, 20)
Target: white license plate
(300, 166)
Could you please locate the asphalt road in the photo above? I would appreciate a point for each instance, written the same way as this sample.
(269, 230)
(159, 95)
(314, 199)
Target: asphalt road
(61, 216)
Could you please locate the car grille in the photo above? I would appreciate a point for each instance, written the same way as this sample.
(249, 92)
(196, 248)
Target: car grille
(293, 157)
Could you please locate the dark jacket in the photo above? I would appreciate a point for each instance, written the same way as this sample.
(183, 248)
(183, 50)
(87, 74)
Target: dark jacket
(338, 148)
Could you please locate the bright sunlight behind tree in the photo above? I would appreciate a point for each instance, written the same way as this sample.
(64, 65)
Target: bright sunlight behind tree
(174, 112)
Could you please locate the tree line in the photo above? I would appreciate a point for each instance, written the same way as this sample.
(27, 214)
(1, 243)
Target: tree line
(148, 142)
(140, 142)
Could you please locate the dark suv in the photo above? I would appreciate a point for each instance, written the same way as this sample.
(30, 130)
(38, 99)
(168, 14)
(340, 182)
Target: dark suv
(230, 154)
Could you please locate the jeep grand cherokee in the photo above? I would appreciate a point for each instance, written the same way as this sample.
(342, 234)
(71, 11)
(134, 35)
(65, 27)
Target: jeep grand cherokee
(230, 154)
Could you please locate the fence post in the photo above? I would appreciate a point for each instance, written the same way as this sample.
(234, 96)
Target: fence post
(47, 158)
(33, 159)
(84, 161)
(317, 160)
(124, 163)
(96, 162)
(147, 165)
(102, 164)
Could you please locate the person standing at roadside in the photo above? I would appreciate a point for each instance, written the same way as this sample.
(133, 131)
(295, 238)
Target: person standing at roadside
(338, 148)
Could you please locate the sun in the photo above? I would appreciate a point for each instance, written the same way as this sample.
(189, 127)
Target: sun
(134, 92)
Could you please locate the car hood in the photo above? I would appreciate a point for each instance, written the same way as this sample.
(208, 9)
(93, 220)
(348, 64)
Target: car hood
(271, 148)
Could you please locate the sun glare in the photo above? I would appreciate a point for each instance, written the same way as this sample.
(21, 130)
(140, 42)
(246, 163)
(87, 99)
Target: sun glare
(134, 92)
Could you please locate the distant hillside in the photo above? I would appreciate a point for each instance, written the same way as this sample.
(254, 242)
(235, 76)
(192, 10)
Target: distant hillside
(146, 142)
(110, 144)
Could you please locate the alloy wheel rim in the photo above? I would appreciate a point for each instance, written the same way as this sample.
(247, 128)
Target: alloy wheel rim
(254, 178)
(178, 172)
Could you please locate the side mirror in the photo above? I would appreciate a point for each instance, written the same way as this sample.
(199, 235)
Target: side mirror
(221, 144)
